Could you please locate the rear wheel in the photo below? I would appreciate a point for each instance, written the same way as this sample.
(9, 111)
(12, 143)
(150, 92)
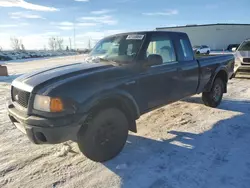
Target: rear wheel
(214, 97)
(105, 135)
(208, 52)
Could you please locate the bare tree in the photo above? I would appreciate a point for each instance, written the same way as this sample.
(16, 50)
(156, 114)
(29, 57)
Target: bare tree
(56, 43)
(52, 43)
(22, 47)
(15, 43)
(59, 42)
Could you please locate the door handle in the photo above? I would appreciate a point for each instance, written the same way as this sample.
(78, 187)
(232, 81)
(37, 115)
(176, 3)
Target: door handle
(208, 69)
(130, 82)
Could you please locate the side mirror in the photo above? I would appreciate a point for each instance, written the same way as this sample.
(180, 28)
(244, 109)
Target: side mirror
(154, 59)
(234, 49)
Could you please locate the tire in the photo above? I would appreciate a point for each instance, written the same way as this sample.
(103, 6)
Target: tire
(105, 135)
(214, 97)
(198, 52)
(208, 52)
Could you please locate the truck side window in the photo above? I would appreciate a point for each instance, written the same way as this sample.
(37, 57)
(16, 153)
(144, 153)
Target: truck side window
(162, 46)
(187, 50)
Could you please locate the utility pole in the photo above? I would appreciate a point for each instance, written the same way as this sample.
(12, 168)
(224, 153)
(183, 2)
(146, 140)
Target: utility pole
(74, 36)
(89, 44)
(70, 44)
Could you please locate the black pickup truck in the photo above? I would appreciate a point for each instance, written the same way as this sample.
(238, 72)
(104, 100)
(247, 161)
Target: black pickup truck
(126, 75)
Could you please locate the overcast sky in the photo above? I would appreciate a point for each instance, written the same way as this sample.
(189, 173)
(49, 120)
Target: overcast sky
(34, 21)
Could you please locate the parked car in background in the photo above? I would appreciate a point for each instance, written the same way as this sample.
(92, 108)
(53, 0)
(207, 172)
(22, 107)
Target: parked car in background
(32, 54)
(19, 55)
(14, 55)
(242, 58)
(48, 54)
(39, 54)
(4, 57)
(203, 49)
(232, 46)
(25, 55)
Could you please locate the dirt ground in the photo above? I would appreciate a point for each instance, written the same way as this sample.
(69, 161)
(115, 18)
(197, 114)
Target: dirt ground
(182, 145)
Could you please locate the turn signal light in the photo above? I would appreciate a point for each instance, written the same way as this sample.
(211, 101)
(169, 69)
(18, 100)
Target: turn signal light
(56, 105)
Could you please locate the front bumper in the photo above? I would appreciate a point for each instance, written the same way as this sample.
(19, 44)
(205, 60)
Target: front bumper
(45, 131)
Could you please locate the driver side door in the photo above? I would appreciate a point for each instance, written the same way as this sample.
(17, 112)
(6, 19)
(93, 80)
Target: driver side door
(159, 84)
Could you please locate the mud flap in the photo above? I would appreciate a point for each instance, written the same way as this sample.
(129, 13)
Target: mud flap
(3, 71)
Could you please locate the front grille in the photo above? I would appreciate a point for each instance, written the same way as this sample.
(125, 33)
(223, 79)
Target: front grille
(246, 60)
(21, 97)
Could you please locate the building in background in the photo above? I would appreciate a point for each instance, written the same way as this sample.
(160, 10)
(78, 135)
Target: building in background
(216, 36)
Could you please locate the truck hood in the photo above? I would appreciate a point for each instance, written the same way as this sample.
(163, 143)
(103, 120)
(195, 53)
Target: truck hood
(29, 81)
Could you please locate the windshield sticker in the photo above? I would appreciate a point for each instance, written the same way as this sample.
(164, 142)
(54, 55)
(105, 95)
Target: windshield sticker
(135, 37)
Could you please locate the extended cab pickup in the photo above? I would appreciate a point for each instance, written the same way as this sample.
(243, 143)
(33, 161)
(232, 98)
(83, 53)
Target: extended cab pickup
(126, 75)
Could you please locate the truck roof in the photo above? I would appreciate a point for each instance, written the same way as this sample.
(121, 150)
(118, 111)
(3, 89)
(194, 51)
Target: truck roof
(146, 32)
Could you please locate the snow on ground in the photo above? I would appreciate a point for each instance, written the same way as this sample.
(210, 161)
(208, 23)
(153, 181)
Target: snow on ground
(18, 67)
(182, 145)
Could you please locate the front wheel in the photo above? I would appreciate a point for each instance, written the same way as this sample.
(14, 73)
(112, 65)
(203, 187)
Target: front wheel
(214, 97)
(104, 135)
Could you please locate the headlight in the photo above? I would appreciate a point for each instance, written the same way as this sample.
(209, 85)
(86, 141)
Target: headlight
(48, 104)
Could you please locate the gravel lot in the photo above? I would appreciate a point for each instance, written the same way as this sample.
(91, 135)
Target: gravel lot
(182, 145)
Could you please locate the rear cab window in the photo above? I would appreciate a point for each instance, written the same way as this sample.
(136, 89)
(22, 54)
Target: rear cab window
(186, 50)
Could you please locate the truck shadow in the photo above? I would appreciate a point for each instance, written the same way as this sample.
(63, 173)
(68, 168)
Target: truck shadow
(226, 104)
(188, 159)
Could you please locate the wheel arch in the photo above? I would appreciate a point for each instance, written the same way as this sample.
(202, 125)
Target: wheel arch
(115, 98)
(219, 73)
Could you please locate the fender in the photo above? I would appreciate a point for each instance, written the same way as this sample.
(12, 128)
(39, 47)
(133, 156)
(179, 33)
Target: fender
(210, 83)
(123, 96)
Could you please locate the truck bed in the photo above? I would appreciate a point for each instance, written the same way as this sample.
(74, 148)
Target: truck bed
(209, 64)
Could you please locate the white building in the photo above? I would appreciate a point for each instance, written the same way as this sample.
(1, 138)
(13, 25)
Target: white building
(216, 36)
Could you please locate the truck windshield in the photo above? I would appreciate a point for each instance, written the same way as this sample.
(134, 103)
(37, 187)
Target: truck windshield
(245, 46)
(120, 48)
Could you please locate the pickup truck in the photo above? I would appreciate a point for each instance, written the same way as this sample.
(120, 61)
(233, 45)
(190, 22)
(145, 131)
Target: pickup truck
(97, 102)
(242, 59)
